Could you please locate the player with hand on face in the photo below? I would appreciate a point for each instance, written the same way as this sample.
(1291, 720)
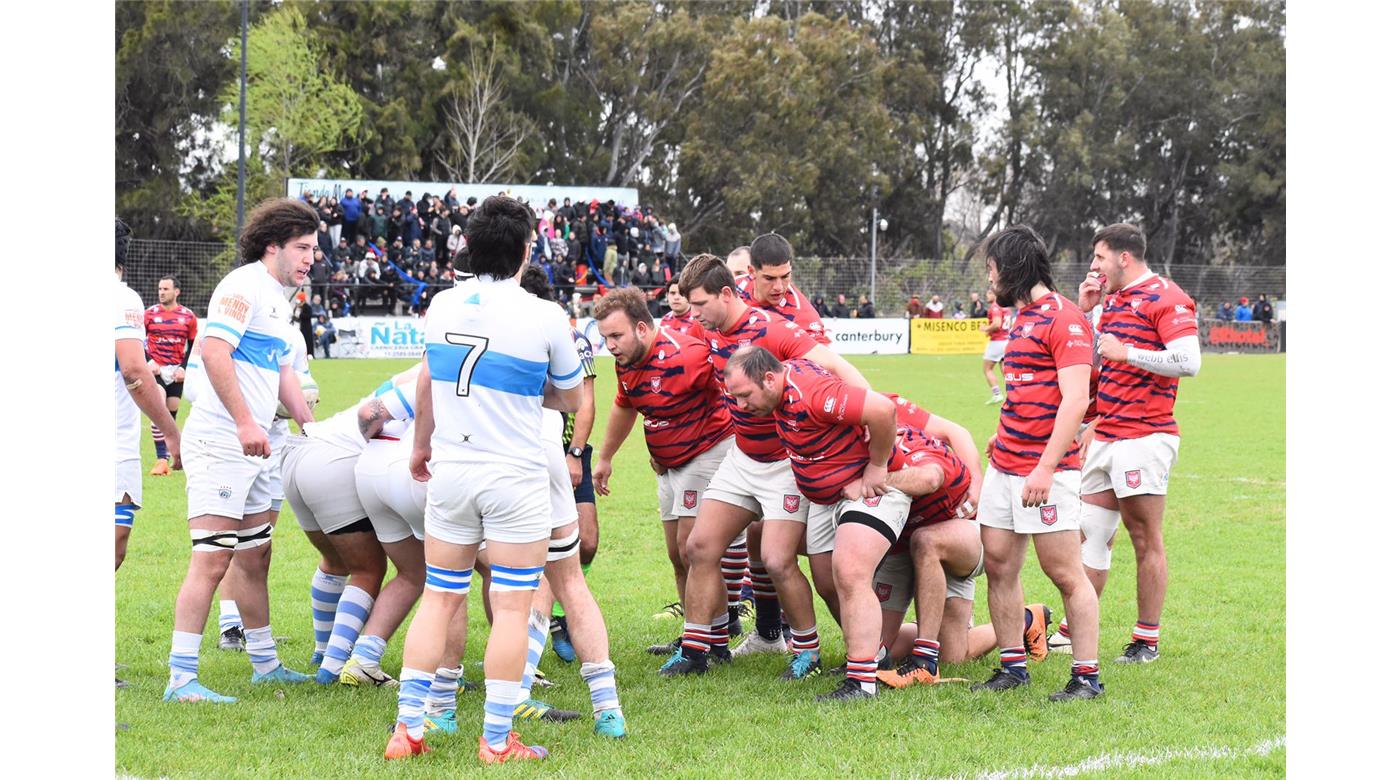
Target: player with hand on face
(1031, 490)
(1147, 341)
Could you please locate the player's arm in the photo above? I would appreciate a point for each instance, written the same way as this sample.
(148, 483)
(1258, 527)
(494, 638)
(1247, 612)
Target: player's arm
(371, 417)
(564, 389)
(1182, 357)
(829, 360)
(877, 414)
(1074, 394)
(917, 480)
(583, 425)
(620, 423)
(189, 349)
(218, 367)
(992, 326)
(423, 428)
(289, 393)
(131, 360)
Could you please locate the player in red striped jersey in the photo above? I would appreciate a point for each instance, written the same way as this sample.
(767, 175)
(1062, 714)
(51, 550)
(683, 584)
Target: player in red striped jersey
(1032, 486)
(767, 284)
(998, 330)
(756, 481)
(664, 376)
(1147, 341)
(170, 334)
(822, 423)
(680, 319)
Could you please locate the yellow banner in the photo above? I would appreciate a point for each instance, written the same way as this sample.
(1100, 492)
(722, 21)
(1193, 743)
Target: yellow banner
(947, 337)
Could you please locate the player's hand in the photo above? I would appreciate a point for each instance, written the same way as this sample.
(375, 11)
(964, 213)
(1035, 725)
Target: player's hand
(155, 369)
(575, 469)
(179, 375)
(602, 472)
(418, 464)
(990, 441)
(254, 440)
(968, 508)
(1110, 348)
(1090, 291)
(1037, 489)
(172, 445)
(870, 484)
(657, 467)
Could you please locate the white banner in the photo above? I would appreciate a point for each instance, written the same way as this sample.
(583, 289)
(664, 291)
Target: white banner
(868, 337)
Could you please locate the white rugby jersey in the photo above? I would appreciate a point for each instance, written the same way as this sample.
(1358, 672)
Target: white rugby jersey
(490, 347)
(343, 428)
(130, 323)
(250, 311)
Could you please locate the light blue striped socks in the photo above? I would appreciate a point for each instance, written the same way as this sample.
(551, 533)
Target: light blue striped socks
(325, 595)
(602, 685)
(350, 616)
(500, 708)
(184, 658)
(413, 691)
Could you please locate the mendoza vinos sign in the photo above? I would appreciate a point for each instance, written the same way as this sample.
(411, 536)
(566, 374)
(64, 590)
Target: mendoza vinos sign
(947, 337)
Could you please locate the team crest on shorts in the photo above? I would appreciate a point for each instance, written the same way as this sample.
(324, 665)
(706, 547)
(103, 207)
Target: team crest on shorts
(882, 591)
(1048, 515)
(1133, 478)
(871, 501)
(689, 497)
(225, 492)
(790, 503)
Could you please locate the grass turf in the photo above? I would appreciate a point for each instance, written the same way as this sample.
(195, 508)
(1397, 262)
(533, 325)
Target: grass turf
(1218, 684)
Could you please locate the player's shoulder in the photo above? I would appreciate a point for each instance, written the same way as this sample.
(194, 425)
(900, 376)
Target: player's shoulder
(128, 298)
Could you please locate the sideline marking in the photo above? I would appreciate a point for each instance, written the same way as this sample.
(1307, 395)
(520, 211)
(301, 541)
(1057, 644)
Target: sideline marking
(1109, 761)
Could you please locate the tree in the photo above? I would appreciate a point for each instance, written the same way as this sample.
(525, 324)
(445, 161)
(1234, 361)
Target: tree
(482, 135)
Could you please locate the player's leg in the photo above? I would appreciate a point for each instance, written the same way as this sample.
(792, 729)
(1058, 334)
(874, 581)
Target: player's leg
(732, 567)
(861, 543)
(128, 500)
(357, 546)
(586, 507)
(212, 538)
(516, 569)
(1099, 518)
(718, 522)
(767, 633)
(989, 373)
(1059, 557)
(395, 601)
(781, 539)
(565, 576)
(246, 583)
(327, 586)
(1005, 552)
(162, 464)
(1142, 516)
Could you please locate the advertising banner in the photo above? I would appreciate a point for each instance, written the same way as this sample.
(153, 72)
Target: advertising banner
(868, 337)
(947, 337)
(1226, 336)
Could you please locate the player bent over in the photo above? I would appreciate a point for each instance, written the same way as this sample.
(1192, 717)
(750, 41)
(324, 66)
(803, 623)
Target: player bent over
(1031, 489)
(1148, 340)
(495, 358)
(664, 376)
(247, 360)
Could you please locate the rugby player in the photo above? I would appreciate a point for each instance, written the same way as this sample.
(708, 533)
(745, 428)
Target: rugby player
(998, 329)
(665, 376)
(495, 357)
(823, 424)
(754, 482)
(680, 319)
(170, 333)
(247, 358)
(1031, 489)
(1147, 341)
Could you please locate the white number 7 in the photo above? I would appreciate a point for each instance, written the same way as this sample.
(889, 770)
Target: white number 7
(476, 347)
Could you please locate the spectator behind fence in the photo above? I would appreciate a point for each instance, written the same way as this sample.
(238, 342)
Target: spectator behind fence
(456, 242)
(840, 310)
(958, 313)
(819, 303)
(320, 273)
(977, 310)
(1223, 312)
(324, 239)
(934, 308)
(350, 207)
(913, 308)
(1263, 309)
(1242, 312)
(866, 310)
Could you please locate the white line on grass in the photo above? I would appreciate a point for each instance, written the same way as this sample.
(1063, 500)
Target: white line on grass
(1109, 761)
(1241, 480)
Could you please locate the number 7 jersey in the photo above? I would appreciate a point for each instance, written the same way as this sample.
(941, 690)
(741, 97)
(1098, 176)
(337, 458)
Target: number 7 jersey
(490, 348)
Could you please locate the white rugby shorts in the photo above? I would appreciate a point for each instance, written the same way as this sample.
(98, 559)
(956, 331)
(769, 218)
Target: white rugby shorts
(1000, 504)
(1130, 467)
(392, 498)
(766, 489)
(562, 509)
(469, 502)
(686, 484)
(220, 480)
(995, 351)
(318, 477)
(128, 481)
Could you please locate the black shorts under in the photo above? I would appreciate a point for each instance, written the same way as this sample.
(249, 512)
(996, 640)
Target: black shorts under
(583, 494)
(172, 390)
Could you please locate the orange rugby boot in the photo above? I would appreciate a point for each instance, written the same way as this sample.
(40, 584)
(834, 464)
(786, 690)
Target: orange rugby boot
(1037, 644)
(513, 751)
(401, 745)
(913, 671)
(161, 469)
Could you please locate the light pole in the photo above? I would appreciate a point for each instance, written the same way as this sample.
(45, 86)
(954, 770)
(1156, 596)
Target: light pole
(242, 116)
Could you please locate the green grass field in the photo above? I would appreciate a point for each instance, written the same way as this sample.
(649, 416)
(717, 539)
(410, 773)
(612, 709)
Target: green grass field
(1216, 693)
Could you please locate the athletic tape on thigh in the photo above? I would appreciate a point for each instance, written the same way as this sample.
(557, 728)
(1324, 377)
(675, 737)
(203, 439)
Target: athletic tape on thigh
(205, 540)
(862, 518)
(126, 515)
(257, 536)
(506, 579)
(559, 549)
(444, 580)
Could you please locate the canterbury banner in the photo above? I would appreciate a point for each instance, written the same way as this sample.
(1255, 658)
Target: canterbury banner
(947, 337)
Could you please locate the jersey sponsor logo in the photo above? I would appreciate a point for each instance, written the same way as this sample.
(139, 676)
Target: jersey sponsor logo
(1027, 376)
(1076, 330)
(1048, 514)
(1179, 309)
(133, 318)
(235, 306)
(790, 503)
(871, 502)
(689, 498)
(1133, 478)
(882, 591)
(829, 405)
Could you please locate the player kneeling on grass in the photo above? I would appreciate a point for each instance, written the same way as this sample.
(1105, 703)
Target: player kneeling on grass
(1032, 486)
(822, 423)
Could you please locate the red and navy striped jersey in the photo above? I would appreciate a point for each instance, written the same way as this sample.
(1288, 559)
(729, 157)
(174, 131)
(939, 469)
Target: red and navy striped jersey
(676, 392)
(794, 307)
(1050, 334)
(755, 434)
(1004, 332)
(169, 334)
(686, 324)
(1134, 402)
(818, 421)
(913, 448)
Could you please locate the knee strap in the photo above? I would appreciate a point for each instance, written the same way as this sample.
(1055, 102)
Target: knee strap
(126, 515)
(1099, 525)
(443, 580)
(204, 540)
(508, 579)
(559, 549)
(257, 536)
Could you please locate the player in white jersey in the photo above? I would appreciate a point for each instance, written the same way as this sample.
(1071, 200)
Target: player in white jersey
(247, 360)
(136, 392)
(495, 356)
